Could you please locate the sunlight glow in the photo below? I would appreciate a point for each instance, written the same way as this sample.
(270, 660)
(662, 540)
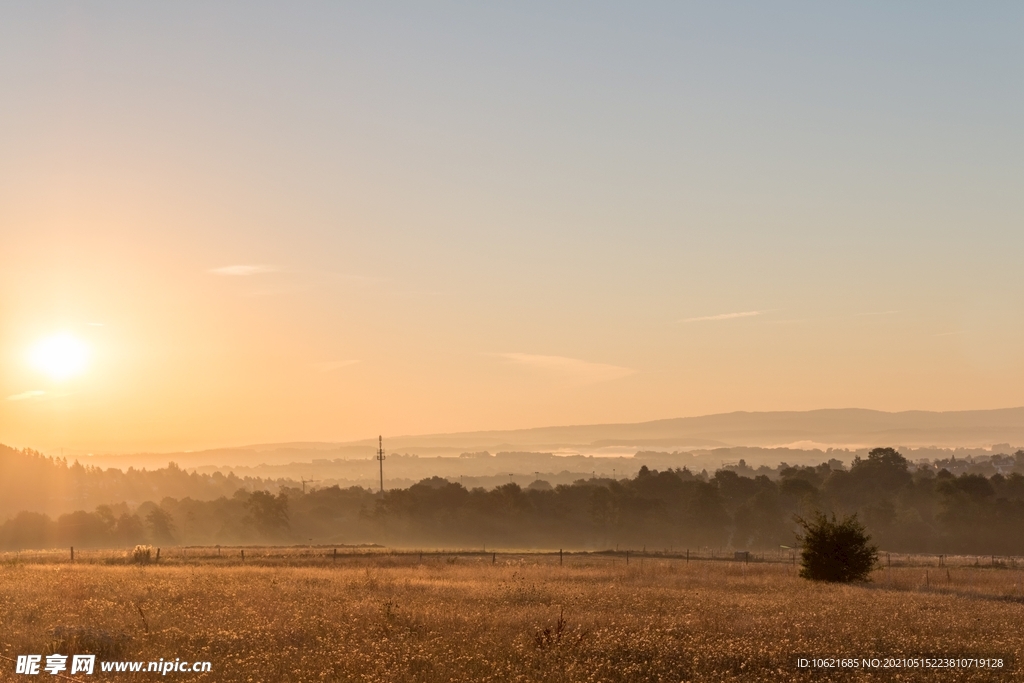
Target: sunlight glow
(60, 357)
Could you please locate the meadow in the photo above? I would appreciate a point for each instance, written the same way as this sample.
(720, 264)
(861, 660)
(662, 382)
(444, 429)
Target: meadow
(377, 615)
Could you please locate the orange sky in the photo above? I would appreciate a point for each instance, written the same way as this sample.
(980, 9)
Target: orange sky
(344, 222)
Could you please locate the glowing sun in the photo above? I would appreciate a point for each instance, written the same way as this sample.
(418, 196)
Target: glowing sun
(60, 356)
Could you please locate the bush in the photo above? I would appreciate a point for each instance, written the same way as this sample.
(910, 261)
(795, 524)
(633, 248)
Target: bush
(142, 554)
(834, 550)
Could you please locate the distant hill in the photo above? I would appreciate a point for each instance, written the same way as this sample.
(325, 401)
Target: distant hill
(851, 427)
(841, 428)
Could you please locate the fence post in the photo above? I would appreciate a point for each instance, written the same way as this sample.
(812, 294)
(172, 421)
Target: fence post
(627, 558)
(158, 554)
(243, 554)
(687, 556)
(494, 558)
(559, 557)
(72, 553)
(335, 555)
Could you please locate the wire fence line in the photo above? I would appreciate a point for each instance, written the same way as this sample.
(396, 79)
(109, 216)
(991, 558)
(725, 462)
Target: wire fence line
(335, 554)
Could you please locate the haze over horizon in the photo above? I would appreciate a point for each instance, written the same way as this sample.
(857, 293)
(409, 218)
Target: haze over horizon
(322, 223)
(851, 429)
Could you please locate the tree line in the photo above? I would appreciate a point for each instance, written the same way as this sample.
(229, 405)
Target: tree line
(31, 481)
(904, 508)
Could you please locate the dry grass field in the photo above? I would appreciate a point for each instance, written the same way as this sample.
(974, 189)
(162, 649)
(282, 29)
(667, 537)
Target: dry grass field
(397, 617)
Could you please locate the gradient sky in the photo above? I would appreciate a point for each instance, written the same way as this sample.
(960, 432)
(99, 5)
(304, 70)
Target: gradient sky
(325, 221)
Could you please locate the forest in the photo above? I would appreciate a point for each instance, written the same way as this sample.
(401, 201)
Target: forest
(905, 507)
(30, 481)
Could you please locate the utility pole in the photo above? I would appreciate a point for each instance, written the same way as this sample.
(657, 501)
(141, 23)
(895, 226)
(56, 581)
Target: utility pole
(380, 459)
(306, 481)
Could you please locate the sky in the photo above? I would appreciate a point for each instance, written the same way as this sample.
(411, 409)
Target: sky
(267, 222)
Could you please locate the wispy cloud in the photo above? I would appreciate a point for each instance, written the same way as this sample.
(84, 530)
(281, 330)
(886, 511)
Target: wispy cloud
(722, 316)
(331, 365)
(244, 270)
(25, 395)
(579, 370)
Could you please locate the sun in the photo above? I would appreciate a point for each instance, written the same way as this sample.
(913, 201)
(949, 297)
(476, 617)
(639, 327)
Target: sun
(60, 357)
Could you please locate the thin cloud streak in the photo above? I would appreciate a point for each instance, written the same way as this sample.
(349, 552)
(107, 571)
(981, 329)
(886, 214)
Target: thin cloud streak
(25, 395)
(722, 316)
(243, 270)
(580, 370)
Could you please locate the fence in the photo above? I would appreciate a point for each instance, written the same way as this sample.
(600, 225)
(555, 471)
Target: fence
(335, 554)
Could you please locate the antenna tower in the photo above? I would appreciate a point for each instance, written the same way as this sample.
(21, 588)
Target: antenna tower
(380, 459)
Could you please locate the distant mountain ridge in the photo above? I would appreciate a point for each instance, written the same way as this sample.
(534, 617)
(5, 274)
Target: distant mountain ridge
(844, 427)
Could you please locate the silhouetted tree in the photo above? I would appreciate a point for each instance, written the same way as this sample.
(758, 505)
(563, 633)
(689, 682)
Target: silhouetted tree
(128, 530)
(268, 513)
(707, 522)
(760, 523)
(835, 550)
(161, 525)
(884, 471)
